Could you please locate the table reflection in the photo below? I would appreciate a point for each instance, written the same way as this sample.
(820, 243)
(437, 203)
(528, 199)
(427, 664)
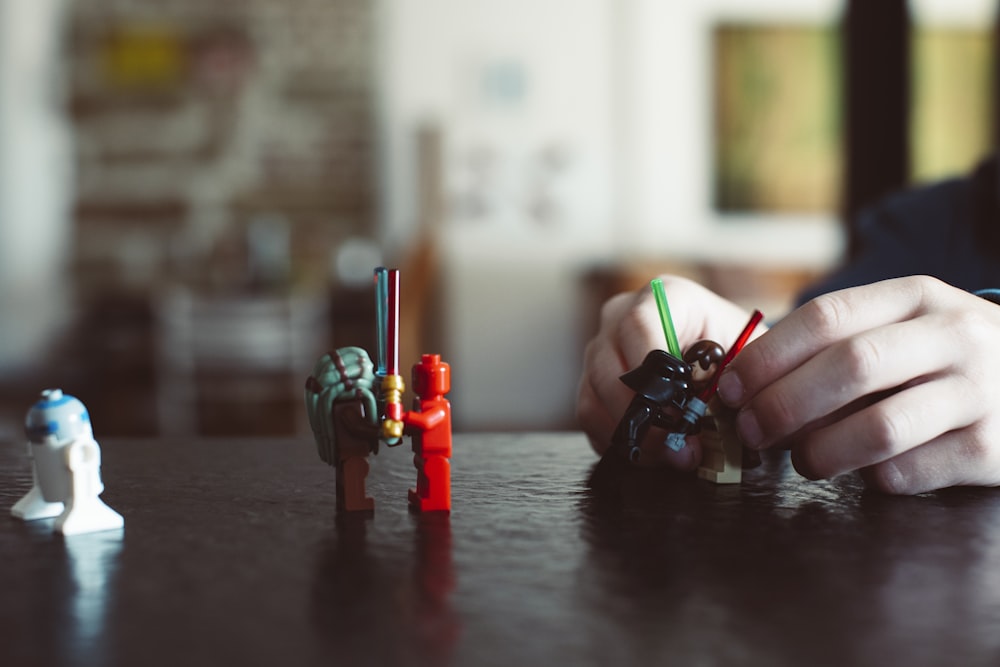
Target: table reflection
(92, 567)
(362, 592)
(436, 626)
(685, 568)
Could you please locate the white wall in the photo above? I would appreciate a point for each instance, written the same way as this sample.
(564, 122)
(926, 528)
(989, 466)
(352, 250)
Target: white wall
(437, 57)
(34, 179)
(668, 109)
(975, 13)
(511, 322)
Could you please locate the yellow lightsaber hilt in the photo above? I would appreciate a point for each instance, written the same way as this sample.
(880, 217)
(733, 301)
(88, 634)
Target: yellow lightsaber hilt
(392, 393)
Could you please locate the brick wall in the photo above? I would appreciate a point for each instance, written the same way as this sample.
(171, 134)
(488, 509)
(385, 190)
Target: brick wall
(193, 118)
(195, 122)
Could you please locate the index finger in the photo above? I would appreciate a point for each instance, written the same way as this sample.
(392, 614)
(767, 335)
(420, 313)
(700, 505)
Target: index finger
(818, 324)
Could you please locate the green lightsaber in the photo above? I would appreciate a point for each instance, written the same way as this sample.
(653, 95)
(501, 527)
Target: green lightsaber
(668, 324)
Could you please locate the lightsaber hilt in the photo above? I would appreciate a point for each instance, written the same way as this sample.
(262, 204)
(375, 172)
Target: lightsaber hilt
(693, 411)
(392, 393)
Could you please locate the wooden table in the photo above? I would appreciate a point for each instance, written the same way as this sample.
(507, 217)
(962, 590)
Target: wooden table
(232, 555)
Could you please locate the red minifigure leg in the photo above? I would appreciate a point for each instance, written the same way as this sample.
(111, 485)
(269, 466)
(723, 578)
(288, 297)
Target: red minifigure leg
(433, 492)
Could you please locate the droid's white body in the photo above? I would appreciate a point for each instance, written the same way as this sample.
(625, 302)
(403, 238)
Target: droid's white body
(67, 468)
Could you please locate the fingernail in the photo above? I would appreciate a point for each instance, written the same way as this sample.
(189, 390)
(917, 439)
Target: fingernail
(730, 388)
(749, 429)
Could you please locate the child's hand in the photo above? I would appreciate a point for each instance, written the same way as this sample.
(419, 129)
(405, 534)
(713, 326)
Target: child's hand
(900, 379)
(630, 327)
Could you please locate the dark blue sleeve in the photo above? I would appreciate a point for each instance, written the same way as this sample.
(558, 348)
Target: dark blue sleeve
(926, 231)
(990, 294)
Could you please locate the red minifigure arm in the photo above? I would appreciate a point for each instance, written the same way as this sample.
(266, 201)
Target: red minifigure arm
(425, 420)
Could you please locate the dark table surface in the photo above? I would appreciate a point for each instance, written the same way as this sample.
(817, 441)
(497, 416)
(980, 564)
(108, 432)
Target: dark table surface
(232, 554)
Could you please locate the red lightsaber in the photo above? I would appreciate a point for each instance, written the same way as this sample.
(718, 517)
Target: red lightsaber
(706, 395)
(392, 384)
(696, 407)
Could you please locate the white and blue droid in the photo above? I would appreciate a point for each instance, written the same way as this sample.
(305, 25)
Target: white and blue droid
(67, 468)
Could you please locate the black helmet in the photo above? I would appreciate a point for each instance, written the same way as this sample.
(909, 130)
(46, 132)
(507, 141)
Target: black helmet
(660, 378)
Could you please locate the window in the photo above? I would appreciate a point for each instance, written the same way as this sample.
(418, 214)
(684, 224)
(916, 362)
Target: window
(777, 104)
(951, 99)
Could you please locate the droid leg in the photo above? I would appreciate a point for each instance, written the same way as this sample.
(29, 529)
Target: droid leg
(85, 512)
(433, 492)
(33, 505)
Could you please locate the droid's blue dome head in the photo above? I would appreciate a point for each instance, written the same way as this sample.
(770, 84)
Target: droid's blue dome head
(57, 414)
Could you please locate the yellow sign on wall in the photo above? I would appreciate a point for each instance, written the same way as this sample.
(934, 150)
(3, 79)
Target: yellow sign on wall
(144, 57)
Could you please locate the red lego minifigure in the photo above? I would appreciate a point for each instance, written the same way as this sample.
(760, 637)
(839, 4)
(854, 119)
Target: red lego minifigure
(429, 425)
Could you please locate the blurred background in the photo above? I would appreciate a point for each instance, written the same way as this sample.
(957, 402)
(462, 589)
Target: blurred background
(193, 195)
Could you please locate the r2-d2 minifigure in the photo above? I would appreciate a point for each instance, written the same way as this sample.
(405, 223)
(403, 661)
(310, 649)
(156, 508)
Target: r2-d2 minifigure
(67, 468)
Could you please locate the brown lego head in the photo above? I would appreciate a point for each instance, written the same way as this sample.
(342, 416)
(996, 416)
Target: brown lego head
(431, 377)
(704, 357)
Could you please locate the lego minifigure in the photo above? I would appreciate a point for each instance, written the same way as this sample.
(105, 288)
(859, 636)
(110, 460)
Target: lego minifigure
(721, 450)
(704, 358)
(696, 405)
(66, 463)
(429, 426)
(344, 419)
(722, 453)
(661, 384)
(668, 392)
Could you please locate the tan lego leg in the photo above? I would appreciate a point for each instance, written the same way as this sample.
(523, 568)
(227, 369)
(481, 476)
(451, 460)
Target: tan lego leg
(722, 453)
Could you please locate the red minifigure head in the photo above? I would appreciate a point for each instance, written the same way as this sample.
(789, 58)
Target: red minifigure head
(431, 377)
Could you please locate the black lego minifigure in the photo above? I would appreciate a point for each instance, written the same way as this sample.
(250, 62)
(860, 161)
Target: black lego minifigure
(661, 385)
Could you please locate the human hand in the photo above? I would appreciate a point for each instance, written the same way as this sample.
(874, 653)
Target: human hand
(898, 379)
(629, 328)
